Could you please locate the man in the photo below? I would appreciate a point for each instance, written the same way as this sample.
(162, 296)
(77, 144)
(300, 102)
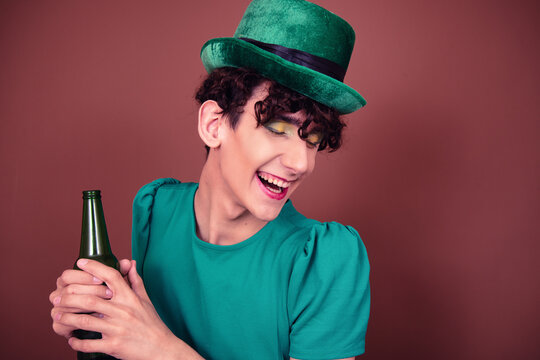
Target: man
(229, 268)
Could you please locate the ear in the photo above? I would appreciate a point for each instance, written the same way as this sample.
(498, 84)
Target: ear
(210, 120)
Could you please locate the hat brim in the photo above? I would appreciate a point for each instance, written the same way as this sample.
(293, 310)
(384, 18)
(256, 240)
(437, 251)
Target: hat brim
(222, 52)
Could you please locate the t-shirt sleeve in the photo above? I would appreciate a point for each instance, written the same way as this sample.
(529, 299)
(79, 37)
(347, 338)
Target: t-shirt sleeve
(142, 217)
(329, 295)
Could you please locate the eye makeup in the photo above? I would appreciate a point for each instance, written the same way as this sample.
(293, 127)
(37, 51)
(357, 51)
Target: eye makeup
(282, 127)
(314, 138)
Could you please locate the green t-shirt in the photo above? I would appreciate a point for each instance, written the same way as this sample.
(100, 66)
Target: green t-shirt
(296, 288)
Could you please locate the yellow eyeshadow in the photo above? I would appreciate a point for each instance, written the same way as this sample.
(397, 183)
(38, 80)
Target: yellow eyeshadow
(314, 138)
(282, 127)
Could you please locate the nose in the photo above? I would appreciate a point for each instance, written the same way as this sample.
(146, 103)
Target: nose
(296, 157)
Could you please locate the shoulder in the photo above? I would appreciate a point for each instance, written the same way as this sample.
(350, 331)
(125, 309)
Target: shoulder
(149, 191)
(153, 205)
(327, 240)
(332, 246)
(146, 196)
(336, 239)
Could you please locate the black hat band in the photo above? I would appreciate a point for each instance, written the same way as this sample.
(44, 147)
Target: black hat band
(302, 58)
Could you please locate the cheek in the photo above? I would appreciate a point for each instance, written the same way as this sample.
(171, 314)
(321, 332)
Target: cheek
(258, 147)
(311, 162)
(246, 154)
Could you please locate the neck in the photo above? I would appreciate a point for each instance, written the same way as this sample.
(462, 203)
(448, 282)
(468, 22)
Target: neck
(220, 219)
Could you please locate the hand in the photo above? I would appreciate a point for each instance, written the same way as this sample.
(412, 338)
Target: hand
(82, 283)
(129, 324)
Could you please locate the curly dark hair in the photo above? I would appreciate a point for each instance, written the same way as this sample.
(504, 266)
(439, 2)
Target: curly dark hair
(232, 87)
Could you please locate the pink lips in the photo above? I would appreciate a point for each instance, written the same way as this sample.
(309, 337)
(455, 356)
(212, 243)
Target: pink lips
(270, 194)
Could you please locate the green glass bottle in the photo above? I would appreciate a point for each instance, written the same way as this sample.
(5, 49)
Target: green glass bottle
(94, 245)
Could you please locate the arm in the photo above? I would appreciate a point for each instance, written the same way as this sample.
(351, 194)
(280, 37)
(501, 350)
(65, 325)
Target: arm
(329, 296)
(130, 326)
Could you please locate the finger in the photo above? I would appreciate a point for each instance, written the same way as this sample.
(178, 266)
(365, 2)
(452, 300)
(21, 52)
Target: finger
(136, 281)
(58, 310)
(98, 290)
(62, 329)
(85, 304)
(88, 346)
(81, 321)
(110, 276)
(76, 277)
(59, 328)
(54, 295)
(76, 289)
(125, 265)
(66, 309)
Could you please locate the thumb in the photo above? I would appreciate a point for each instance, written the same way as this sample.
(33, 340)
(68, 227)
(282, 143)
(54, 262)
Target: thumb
(125, 265)
(136, 281)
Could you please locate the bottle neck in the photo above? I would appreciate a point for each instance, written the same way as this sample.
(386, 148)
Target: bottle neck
(94, 238)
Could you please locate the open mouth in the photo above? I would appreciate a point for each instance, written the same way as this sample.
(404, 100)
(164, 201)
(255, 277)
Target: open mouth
(273, 184)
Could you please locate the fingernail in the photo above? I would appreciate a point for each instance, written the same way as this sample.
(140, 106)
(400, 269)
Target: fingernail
(82, 262)
(96, 280)
(56, 300)
(58, 316)
(108, 292)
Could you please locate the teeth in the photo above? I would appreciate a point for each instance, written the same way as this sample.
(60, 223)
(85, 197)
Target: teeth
(275, 191)
(277, 182)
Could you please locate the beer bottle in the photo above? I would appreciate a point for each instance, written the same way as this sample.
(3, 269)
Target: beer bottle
(94, 245)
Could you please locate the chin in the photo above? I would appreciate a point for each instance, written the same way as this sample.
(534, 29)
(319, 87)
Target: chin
(267, 213)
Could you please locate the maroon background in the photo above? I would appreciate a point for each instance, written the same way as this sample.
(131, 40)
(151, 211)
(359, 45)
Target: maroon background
(440, 172)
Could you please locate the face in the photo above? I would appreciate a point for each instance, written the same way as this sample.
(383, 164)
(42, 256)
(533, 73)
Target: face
(261, 166)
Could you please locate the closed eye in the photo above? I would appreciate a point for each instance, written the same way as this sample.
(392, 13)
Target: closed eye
(275, 131)
(314, 139)
(280, 127)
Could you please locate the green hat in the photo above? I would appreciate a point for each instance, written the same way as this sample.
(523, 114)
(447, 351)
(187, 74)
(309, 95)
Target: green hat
(296, 43)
